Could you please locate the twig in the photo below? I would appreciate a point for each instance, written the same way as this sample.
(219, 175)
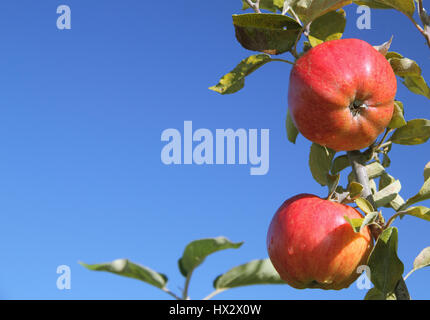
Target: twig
(254, 5)
(387, 132)
(426, 30)
(361, 175)
(393, 217)
(295, 16)
(217, 291)
(187, 285)
(286, 7)
(171, 293)
(401, 291)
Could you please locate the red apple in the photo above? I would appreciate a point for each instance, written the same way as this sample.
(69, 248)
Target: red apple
(311, 245)
(341, 94)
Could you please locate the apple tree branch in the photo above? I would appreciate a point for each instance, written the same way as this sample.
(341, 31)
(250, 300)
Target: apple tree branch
(359, 169)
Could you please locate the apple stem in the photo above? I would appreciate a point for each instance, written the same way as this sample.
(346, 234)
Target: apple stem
(359, 169)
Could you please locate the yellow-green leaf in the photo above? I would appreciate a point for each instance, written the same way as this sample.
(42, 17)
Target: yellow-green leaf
(417, 85)
(398, 120)
(418, 212)
(364, 205)
(405, 6)
(270, 5)
(235, 80)
(416, 131)
(309, 10)
(330, 26)
(355, 190)
(355, 223)
(405, 67)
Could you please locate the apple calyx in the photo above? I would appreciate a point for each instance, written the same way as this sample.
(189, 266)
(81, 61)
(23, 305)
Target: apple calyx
(356, 107)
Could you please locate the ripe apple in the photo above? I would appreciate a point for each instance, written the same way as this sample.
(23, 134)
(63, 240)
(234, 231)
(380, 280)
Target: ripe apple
(311, 245)
(341, 94)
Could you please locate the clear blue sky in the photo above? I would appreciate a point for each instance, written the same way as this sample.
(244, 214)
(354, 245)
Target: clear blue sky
(81, 115)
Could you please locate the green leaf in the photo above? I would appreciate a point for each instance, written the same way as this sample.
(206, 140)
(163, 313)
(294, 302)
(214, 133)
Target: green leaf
(271, 5)
(333, 181)
(375, 294)
(340, 163)
(385, 180)
(268, 33)
(405, 67)
(320, 159)
(292, 131)
(397, 203)
(387, 194)
(405, 6)
(386, 267)
(309, 10)
(372, 186)
(355, 190)
(364, 205)
(251, 273)
(410, 72)
(418, 212)
(372, 4)
(327, 27)
(423, 259)
(355, 223)
(398, 120)
(427, 172)
(423, 194)
(235, 80)
(393, 54)
(369, 219)
(386, 161)
(374, 170)
(415, 132)
(417, 85)
(196, 252)
(125, 268)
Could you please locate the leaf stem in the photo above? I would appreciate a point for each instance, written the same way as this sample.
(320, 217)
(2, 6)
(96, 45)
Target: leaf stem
(394, 216)
(409, 273)
(217, 291)
(387, 132)
(187, 285)
(254, 5)
(295, 16)
(424, 31)
(171, 293)
(282, 60)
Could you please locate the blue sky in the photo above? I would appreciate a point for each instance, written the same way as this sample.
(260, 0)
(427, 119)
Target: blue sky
(81, 117)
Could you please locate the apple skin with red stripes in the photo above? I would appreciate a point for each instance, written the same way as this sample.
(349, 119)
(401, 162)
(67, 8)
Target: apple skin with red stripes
(341, 94)
(311, 245)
